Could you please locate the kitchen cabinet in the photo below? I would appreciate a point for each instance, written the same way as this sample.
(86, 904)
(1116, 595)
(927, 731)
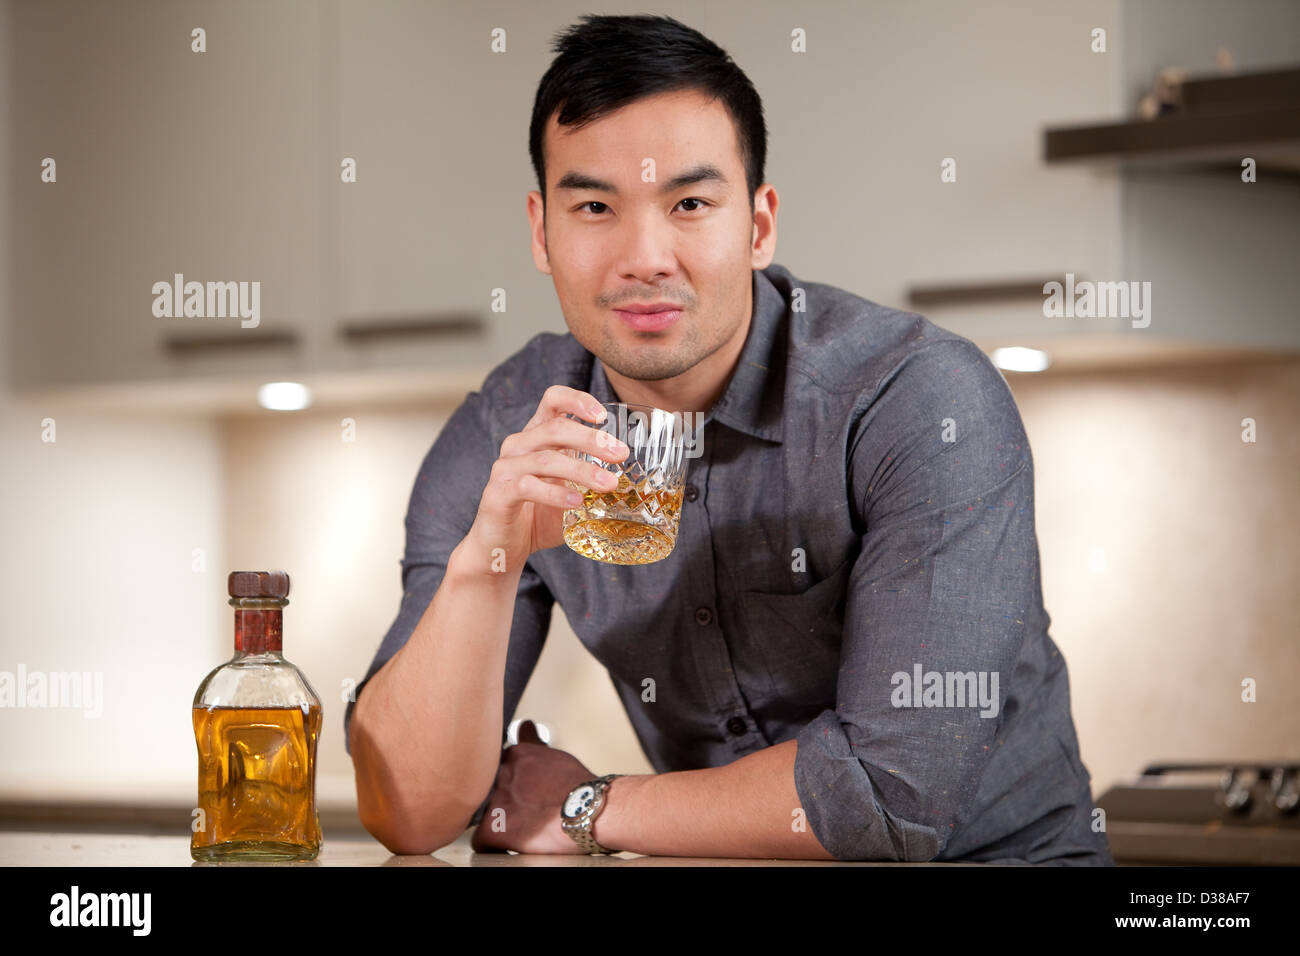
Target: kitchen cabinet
(973, 249)
(225, 166)
(168, 161)
(1215, 248)
(925, 124)
(433, 232)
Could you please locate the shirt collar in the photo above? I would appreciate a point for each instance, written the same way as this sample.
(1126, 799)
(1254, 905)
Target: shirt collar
(753, 400)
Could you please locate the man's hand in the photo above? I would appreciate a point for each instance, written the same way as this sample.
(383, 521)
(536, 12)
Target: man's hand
(521, 509)
(530, 786)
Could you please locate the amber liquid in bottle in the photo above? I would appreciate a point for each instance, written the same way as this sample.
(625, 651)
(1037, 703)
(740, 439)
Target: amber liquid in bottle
(257, 722)
(257, 780)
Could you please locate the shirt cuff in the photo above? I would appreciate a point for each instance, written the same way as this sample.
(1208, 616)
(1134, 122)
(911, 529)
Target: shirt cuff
(843, 805)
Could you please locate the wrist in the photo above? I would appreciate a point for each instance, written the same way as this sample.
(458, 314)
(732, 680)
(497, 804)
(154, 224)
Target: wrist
(471, 561)
(610, 828)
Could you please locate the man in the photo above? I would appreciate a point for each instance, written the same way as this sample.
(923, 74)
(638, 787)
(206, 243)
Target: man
(846, 655)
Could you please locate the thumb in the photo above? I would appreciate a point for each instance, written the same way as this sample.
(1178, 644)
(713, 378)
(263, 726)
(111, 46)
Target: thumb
(527, 733)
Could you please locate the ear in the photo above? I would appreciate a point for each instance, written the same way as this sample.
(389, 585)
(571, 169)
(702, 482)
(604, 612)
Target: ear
(536, 210)
(763, 240)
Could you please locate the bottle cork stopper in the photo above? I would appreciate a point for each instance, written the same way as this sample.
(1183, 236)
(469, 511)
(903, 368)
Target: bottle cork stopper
(274, 584)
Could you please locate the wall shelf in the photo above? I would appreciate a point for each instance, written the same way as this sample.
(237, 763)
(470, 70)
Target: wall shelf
(1216, 120)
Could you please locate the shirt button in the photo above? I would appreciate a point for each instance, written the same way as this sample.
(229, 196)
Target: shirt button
(703, 616)
(692, 492)
(737, 725)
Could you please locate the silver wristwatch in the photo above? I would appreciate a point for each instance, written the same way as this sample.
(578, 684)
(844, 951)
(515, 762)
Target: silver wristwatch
(579, 811)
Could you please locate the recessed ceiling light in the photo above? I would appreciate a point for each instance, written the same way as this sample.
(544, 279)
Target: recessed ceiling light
(1017, 359)
(284, 396)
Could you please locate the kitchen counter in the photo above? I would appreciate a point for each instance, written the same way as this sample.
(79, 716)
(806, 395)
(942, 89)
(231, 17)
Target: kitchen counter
(135, 850)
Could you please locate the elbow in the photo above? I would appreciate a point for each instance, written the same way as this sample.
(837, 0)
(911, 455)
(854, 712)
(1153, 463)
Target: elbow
(852, 823)
(406, 840)
(405, 823)
(406, 829)
(859, 811)
(913, 843)
(855, 824)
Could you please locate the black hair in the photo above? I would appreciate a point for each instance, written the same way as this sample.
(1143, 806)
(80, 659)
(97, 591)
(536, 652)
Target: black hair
(610, 61)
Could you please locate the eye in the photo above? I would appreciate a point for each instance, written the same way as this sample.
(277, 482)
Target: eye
(694, 199)
(603, 207)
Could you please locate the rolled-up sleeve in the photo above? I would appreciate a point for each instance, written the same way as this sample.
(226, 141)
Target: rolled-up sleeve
(443, 504)
(940, 470)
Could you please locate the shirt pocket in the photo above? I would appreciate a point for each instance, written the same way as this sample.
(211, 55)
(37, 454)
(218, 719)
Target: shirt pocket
(798, 639)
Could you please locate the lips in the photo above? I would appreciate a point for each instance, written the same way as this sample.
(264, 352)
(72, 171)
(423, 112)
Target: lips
(638, 318)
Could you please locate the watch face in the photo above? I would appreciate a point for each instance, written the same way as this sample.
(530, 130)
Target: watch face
(579, 801)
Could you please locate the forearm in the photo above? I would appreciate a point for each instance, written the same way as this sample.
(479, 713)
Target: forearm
(426, 731)
(747, 809)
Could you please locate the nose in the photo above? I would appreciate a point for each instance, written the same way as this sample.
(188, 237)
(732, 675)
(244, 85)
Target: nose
(645, 247)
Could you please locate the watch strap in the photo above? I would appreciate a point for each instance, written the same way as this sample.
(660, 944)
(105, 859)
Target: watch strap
(581, 830)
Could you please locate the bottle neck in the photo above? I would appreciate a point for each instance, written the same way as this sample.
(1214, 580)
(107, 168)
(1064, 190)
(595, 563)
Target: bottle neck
(258, 624)
(258, 656)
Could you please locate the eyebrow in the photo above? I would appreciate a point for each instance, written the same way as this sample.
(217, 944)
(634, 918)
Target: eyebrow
(701, 173)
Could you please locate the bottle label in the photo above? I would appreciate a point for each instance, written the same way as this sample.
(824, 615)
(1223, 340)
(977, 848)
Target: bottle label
(257, 629)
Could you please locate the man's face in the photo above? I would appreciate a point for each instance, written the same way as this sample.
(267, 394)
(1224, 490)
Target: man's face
(618, 231)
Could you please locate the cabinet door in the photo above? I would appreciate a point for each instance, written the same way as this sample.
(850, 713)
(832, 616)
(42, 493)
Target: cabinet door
(437, 124)
(169, 161)
(861, 123)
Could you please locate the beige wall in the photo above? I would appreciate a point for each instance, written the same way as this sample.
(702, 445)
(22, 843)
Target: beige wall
(1170, 551)
(1170, 554)
(113, 564)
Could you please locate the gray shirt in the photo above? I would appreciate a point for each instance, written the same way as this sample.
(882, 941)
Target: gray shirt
(856, 569)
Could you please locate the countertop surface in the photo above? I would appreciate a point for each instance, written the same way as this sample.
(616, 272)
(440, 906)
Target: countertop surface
(35, 848)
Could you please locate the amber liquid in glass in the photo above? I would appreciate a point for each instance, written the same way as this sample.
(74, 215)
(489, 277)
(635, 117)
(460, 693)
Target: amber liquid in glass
(257, 770)
(605, 529)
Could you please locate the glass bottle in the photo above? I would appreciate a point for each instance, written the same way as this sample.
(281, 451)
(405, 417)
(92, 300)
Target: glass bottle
(256, 723)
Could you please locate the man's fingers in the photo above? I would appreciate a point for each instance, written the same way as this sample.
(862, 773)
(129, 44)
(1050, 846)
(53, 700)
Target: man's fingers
(561, 398)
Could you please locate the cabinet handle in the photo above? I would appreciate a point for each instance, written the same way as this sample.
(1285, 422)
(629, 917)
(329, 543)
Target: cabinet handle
(1157, 769)
(432, 326)
(182, 346)
(928, 296)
